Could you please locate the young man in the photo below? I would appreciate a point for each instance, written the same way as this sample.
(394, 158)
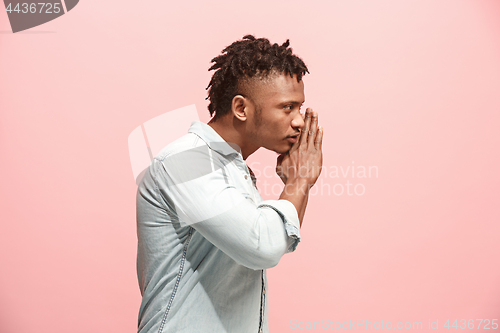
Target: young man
(205, 234)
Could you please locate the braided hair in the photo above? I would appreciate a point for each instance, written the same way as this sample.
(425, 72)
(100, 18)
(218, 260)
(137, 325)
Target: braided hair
(245, 59)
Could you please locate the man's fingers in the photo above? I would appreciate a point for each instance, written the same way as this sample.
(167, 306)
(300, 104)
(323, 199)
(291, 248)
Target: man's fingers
(296, 145)
(305, 131)
(312, 129)
(318, 142)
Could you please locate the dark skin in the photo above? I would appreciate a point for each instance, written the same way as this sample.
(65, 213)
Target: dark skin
(307, 150)
(269, 116)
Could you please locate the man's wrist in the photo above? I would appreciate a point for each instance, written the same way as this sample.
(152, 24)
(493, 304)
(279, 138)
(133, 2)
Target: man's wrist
(296, 186)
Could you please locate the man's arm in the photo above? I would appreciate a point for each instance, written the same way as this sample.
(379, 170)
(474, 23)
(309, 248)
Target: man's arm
(303, 210)
(194, 190)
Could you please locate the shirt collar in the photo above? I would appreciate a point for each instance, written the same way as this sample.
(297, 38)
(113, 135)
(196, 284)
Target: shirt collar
(213, 139)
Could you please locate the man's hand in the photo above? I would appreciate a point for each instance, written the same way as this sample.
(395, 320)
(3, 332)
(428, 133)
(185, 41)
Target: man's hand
(304, 160)
(300, 167)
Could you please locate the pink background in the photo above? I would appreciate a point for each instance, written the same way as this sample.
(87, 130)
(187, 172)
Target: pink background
(411, 87)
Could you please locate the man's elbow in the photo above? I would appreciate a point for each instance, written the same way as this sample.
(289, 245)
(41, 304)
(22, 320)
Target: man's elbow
(263, 259)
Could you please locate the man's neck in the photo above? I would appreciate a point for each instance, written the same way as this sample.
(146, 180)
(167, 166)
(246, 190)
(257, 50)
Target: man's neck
(225, 127)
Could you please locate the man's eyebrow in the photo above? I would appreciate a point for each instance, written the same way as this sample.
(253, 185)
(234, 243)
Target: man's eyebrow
(292, 102)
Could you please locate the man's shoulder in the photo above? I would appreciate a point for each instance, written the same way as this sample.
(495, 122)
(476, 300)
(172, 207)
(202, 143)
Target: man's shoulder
(184, 143)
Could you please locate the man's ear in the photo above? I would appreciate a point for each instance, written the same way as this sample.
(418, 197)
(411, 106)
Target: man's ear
(239, 107)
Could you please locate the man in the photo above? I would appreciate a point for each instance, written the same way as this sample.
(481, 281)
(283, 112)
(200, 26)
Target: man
(205, 234)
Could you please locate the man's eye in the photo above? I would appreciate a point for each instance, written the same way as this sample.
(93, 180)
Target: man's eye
(288, 107)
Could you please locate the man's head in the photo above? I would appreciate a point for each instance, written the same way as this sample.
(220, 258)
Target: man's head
(259, 84)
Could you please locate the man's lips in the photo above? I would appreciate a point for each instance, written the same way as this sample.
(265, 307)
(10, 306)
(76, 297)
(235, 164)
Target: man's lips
(293, 138)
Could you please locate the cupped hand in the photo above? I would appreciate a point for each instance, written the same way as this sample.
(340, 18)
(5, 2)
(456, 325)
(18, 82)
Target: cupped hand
(305, 159)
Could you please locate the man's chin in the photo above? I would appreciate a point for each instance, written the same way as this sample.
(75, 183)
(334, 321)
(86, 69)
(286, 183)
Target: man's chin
(282, 151)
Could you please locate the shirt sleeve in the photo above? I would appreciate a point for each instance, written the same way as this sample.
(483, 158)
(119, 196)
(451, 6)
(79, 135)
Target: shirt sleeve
(197, 192)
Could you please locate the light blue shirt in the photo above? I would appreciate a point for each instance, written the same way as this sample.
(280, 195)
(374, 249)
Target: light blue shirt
(205, 238)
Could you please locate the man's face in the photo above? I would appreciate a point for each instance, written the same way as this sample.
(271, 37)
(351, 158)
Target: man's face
(275, 120)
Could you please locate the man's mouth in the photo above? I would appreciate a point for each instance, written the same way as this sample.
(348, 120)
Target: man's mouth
(293, 138)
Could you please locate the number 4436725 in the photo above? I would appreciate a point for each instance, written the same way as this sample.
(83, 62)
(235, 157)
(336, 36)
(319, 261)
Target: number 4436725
(32, 8)
(471, 324)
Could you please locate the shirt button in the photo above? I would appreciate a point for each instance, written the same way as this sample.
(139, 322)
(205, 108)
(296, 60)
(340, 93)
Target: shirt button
(260, 330)
(246, 176)
(264, 292)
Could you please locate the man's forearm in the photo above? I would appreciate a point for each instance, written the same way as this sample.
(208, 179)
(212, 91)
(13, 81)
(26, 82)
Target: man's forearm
(303, 211)
(297, 193)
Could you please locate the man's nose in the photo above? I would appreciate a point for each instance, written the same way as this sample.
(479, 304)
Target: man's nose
(298, 121)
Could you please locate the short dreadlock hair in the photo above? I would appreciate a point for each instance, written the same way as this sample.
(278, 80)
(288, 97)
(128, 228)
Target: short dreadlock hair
(243, 60)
